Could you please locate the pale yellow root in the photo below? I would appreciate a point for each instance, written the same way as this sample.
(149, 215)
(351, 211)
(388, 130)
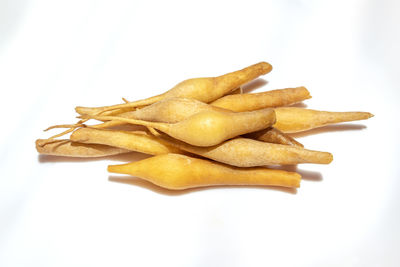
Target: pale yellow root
(208, 128)
(171, 110)
(230, 81)
(243, 152)
(292, 119)
(175, 109)
(139, 141)
(203, 89)
(269, 99)
(68, 148)
(177, 172)
(272, 135)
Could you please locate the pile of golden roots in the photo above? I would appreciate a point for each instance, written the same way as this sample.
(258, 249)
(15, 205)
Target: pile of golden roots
(203, 132)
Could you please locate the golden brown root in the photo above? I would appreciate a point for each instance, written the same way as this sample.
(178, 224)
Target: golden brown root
(244, 152)
(268, 99)
(203, 89)
(208, 128)
(139, 141)
(177, 172)
(235, 79)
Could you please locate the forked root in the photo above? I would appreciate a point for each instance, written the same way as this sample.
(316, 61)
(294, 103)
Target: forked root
(76, 125)
(44, 142)
(71, 127)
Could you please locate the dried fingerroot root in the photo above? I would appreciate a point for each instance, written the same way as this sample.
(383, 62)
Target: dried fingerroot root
(244, 152)
(268, 99)
(208, 128)
(139, 141)
(178, 172)
(292, 119)
(68, 148)
(203, 89)
(203, 132)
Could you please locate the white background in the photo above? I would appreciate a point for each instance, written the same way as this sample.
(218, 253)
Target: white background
(55, 55)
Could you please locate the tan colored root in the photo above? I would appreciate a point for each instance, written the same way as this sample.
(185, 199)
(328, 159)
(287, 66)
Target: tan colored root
(139, 141)
(174, 110)
(203, 89)
(171, 110)
(67, 148)
(71, 127)
(244, 152)
(208, 128)
(63, 133)
(269, 99)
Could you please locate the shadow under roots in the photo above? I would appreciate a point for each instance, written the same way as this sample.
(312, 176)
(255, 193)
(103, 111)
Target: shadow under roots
(253, 85)
(160, 190)
(329, 128)
(305, 174)
(299, 105)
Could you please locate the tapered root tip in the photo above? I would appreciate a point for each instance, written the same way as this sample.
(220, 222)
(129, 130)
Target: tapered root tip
(112, 168)
(79, 110)
(328, 158)
(84, 110)
(265, 67)
(118, 169)
(307, 94)
(297, 182)
(361, 115)
(356, 116)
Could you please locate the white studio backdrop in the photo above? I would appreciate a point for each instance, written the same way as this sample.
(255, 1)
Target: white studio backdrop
(55, 55)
